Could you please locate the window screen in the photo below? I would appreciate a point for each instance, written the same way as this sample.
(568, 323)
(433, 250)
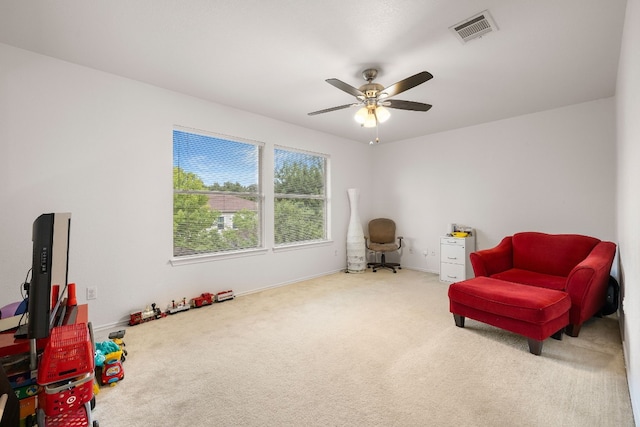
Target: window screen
(300, 197)
(216, 194)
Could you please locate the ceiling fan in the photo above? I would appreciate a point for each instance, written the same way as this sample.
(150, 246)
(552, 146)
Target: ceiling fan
(373, 97)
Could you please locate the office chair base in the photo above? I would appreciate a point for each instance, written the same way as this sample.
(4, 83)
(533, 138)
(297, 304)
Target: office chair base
(384, 264)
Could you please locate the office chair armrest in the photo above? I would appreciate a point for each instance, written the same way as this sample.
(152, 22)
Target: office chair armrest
(400, 241)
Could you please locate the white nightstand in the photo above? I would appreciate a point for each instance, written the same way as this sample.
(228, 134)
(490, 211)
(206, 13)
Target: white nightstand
(454, 258)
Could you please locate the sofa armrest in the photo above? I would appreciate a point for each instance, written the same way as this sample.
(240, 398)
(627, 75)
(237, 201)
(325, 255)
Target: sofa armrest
(587, 282)
(495, 260)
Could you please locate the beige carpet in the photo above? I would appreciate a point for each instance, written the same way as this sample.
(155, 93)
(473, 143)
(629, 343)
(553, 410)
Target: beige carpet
(372, 349)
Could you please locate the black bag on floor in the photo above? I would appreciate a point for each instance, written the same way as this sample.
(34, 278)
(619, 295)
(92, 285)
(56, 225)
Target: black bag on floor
(613, 296)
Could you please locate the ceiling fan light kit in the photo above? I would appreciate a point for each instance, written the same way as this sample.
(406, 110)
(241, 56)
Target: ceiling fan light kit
(369, 117)
(361, 115)
(370, 121)
(382, 114)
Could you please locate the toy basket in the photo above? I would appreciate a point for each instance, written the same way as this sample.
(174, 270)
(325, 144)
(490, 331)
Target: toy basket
(77, 418)
(68, 354)
(67, 396)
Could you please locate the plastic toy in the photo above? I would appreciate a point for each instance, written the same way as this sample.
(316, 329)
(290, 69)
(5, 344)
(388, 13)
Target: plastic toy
(117, 334)
(109, 358)
(112, 370)
(116, 337)
(204, 299)
(174, 308)
(224, 295)
(150, 313)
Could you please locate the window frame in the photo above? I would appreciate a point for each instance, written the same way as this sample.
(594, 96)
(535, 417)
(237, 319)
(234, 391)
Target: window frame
(259, 195)
(326, 198)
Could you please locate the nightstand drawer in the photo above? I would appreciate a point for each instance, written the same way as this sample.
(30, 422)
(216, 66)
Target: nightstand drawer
(458, 241)
(452, 272)
(453, 254)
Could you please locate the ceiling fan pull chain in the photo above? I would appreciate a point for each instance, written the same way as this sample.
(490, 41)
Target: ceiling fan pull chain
(377, 140)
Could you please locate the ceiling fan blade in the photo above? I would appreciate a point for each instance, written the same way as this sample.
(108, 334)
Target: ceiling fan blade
(406, 105)
(406, 84)
(345, 87)
(326, 110)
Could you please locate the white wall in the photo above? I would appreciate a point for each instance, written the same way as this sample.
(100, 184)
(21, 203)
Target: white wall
(628, 201)
(552, 171)
(100, 146)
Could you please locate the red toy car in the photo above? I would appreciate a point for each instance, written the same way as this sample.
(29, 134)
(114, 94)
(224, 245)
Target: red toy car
(112, 370)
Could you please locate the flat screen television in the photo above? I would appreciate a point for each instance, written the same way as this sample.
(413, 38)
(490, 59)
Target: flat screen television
(50, 265)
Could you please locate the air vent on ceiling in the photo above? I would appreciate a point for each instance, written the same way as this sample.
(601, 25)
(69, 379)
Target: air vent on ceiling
(474, 27)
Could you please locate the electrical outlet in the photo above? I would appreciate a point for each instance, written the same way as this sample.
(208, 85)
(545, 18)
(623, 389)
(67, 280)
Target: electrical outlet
(433, 253)
(411, 250)
(92, 293)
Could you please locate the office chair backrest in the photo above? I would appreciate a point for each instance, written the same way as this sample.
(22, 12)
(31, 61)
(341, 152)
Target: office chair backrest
(382, 230)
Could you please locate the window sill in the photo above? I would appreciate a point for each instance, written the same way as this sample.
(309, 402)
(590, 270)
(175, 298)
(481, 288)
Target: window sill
(295, 246)
(195, 259)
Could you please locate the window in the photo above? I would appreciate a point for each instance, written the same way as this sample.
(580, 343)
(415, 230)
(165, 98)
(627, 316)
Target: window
(300, 197)
(217, 205)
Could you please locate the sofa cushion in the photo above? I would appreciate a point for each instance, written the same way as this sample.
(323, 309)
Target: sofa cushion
(532, 278)
(513, 300)
(553, 254)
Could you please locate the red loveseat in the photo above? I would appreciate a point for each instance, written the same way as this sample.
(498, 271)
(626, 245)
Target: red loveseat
(576, 264)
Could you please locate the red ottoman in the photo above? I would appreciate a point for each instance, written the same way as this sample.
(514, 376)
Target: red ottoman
(537, 313)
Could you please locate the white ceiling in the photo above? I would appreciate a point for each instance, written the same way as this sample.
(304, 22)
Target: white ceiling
(271, 57)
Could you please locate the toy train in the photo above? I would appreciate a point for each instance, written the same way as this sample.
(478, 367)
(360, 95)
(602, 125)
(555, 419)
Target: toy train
(204, 299)
(224, 295)
(174, 307)
(148, 314)
(153, 312)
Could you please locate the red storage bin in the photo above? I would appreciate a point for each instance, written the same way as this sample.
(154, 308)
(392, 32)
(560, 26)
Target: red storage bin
(68, 354)
(77, 418)
(66, 374)
(67, 396)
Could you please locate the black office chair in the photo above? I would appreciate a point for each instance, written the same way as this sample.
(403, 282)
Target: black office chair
(382, 238)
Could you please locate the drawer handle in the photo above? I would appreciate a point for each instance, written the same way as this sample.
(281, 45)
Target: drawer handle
(452, 277)
(452, 257)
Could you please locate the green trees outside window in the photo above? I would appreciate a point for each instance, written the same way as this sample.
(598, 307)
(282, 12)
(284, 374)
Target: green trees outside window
(195, 223)
(300, 197)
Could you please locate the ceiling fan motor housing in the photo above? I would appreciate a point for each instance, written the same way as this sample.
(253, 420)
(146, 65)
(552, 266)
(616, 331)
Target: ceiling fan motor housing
(369, 74)
(371, 90)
